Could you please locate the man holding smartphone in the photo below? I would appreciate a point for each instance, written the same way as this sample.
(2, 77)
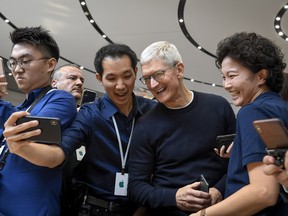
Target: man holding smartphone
(29, 185)
(106, 127)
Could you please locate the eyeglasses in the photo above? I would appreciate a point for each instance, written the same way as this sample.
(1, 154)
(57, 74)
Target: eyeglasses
(158, 75)
(12, 64)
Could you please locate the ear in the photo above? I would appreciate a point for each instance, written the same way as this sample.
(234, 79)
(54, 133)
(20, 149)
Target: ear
(99, 78)
(52, 64)
(180, 70)
(135, 70)
(262, 75)
(53, 83)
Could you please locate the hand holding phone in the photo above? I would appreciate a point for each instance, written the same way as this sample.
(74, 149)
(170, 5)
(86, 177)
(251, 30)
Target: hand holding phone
(3, 84)
(224, 140)
(275, 136)
(50, 129)
(204, 186)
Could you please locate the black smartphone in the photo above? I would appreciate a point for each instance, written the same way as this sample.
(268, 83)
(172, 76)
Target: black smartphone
(2, 72)
(275, 136)
(204, 186)
(88, 96)
(50, 129)
(225, 140)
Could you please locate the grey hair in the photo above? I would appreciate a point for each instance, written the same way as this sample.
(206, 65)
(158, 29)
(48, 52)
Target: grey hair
(56, 74)
(162, 50)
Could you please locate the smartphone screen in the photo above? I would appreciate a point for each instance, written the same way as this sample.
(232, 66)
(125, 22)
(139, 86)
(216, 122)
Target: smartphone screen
(50, 129)
(2, 72)
(88, 96)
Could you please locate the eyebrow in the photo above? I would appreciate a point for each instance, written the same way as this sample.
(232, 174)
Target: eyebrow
(23, 56)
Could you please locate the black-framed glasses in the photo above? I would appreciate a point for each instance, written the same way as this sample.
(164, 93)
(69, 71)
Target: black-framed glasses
(157, 76)
(12, 64)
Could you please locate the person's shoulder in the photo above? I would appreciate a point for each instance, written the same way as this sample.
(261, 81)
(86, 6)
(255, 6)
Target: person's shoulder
(210, 97)
(143, 100)
(145, 104)
(60, 93)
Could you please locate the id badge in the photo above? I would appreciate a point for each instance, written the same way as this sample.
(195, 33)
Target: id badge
(121, 184)
(80, 153)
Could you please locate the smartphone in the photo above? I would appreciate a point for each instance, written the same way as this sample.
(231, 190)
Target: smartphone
(275, 136)
(88, 96)
(204, 186)
(225, 140)
(2, 72)
(50, 129)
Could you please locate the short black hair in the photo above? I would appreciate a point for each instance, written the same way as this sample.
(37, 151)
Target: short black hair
(113, 50)
(38, 37)
(255, 53)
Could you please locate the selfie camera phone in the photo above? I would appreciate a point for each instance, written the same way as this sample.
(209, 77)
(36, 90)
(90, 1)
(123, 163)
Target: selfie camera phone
(224, 140)
(204, 186)
(275, 136)
(50, 129)
(2, 72)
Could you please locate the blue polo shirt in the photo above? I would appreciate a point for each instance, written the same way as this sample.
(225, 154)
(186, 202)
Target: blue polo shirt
(248, 146)
(94, 126)
(27, 189)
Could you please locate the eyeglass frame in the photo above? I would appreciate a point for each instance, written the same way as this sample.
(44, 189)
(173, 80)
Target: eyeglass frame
(21, 61)
(159, 72)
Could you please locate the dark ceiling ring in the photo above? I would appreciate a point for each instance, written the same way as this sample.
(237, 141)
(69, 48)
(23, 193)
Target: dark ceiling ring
(182, 25)
(92, 21)
(181, 21)
(277, 22)
(61, 57)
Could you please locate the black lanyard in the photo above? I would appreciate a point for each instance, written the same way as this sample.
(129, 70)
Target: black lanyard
(40, 96)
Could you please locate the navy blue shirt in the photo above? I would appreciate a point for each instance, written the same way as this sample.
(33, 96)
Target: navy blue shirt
(94, 127)
(27, 189)
(176, 146)
(248, 147)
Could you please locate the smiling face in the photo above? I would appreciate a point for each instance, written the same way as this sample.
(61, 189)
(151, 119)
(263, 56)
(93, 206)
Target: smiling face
(242, 84)
(38, 74)
(118, 80)
(167, 90)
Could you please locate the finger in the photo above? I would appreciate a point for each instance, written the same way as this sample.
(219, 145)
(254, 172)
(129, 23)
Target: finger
(222, 151)
(286, 160)
(14, 117)
(23, 136)
(271, 169)
(216, 151)
(268, 160)
(229, 148)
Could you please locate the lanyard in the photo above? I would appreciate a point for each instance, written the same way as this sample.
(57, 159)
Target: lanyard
(40, 96)
(123, 158)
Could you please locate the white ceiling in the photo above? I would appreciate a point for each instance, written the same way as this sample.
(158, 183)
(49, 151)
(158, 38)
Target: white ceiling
(140, 23)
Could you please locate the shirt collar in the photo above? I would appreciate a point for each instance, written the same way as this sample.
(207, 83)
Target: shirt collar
(110, 108)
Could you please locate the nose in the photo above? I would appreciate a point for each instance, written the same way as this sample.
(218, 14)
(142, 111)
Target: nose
(226, 84)
(79, 82)
(18, 69)
(120, 84)
(153, 82)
